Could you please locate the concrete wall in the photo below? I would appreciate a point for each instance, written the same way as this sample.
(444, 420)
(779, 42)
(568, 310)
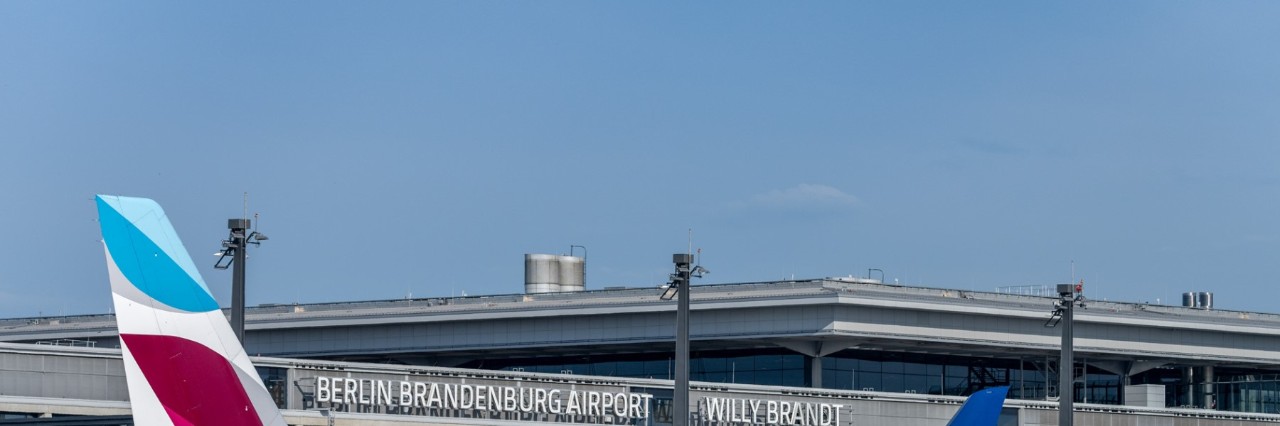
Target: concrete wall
(52, 375)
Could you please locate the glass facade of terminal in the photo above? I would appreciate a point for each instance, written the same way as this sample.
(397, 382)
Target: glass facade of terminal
(1233, 389)
(851, 370)
(276, 380)
(883, 371)
(777, 368)
(1249, 393)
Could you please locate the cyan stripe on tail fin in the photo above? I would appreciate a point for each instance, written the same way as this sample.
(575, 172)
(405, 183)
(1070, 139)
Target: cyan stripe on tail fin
(158, 272)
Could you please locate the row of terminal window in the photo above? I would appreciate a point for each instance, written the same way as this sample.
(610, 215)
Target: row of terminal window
(891, 372)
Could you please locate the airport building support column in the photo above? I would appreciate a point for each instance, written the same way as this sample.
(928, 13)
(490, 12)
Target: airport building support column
(1084, 378)
(1207, 388)
(816, 351)
(1189, 381)
(815, 372)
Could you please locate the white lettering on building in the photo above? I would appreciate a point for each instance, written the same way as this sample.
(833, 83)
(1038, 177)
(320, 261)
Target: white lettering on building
(492, 398)
(735, 411)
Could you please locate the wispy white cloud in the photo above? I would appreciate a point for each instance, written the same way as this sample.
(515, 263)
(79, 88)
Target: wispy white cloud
(987, 146)
(805, 195)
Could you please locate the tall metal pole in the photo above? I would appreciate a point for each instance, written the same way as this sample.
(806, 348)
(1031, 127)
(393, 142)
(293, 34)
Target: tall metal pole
(680, 400)
(1066, 364)
(239, 236)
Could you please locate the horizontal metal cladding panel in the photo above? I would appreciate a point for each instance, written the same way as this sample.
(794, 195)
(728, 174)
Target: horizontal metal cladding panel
(1047, 417)
(62, 376)
(944, 324)
(534, 332)
(1030, 332)
(899, 413)
(760, 322)
(1139, 336)
(24, 362)
(534, 310)
(24, 383)
(74, 386)
(461, 335)
(1241, 325)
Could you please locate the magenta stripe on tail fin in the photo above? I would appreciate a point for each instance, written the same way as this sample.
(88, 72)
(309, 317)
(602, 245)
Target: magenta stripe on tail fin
(193, 383)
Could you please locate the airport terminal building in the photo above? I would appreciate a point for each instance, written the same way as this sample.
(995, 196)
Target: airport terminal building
(833, 351)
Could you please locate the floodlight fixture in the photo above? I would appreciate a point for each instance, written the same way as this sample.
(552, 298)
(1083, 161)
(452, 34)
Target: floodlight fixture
(670, 292)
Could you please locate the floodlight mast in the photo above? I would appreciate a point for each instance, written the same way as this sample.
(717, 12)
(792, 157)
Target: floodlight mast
(233, 248)
(680, 410)
(1069, 295)
(679, 288)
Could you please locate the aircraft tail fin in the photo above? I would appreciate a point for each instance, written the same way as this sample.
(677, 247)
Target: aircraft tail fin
(981, 409)
(183, 364)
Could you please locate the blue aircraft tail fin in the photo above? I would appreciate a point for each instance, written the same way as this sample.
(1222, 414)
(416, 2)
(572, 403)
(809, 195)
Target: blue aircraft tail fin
(981, 409)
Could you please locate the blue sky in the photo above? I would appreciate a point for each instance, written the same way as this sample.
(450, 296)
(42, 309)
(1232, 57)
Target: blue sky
(423, 147)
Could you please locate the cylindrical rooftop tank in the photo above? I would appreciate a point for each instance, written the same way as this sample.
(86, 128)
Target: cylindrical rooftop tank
(1189, 299)
(1204, 300)
(541, 273)
(572, 273)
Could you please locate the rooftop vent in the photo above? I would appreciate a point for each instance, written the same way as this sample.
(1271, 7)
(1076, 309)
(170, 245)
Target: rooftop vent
(1199, 300)
(550, 273)
(853, 279)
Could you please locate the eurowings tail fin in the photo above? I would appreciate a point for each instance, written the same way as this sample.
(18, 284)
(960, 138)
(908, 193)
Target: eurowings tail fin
(981, 409)
(183, 364)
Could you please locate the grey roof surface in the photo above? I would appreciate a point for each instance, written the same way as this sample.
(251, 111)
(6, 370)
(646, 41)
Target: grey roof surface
(704, 297)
